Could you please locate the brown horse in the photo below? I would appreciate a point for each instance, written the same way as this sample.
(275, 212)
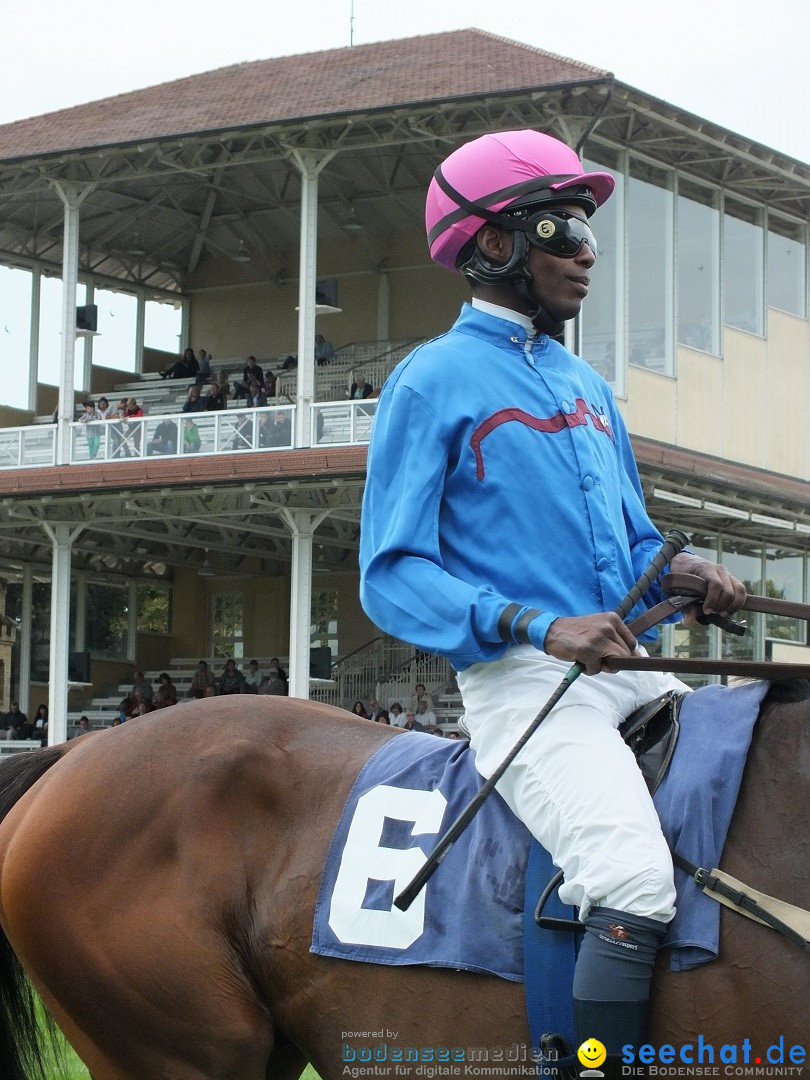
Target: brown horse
(158, 881)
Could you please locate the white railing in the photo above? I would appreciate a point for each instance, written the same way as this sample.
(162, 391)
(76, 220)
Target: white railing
(339, 423)
(27, 447)
(181, 435)
(342, 423)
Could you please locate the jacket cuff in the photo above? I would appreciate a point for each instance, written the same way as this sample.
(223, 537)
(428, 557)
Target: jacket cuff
(520, 625)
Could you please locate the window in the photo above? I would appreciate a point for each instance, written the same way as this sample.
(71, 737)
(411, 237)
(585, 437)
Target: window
(15, 335)
(154, 609)
(744, 561)
(117, 320)
(650, 262)
(228, 626)
(743, 271)
(107, 620)
(784, 580)
(787, 266)
(602, 329)
(49, 361)
(323, 630)
(163, 323)
(698, 269)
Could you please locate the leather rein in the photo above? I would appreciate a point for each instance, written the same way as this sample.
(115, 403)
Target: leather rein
(687, 589)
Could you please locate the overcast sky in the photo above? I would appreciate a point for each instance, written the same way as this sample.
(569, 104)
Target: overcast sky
(740, 63)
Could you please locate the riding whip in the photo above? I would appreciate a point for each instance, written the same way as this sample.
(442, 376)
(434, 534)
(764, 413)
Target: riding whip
(674, 542)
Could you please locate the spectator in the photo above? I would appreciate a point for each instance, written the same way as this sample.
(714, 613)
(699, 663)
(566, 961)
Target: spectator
(360, 388)
(420, 694)
(377, 713)
(164, 439)
(397, 715)
(104, 409)
(194, 402)
(140, 705)
(425, 716)
(191, 437)
(214, 399)
(411, 723)
(83, 727)
(275, 429)
(359, 709)
(41, 725)
(255, 397)
(14, 722)
(224, 386)
(242, 433)
(290, 362)
(140, 682)
(166, 693)
(276, 681)
(253, 679)
(202, 681)
(204, 372)
(324, 350)
(282, 674)
(250, 371)
(89, 417)
(131, 433)
(185, 368)
(231, 679)
(118, 439)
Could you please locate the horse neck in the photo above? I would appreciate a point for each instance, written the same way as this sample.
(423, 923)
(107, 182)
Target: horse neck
(769, 827)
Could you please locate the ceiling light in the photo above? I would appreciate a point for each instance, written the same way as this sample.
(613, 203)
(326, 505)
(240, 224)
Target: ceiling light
(776, 523)
(726, 511)
(674, 497)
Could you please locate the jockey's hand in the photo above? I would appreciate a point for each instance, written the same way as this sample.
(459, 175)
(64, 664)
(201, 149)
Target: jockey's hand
(588, 639)
(724, 595)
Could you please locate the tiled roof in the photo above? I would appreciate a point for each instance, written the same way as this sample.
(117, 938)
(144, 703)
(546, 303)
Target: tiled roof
(435, 67)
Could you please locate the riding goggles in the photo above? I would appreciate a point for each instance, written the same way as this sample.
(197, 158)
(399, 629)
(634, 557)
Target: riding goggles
(557, 232)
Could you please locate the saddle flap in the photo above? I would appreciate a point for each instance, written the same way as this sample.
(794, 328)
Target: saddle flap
(651, 732)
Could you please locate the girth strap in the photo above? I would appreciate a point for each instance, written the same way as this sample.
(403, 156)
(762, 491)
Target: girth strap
(793, 922)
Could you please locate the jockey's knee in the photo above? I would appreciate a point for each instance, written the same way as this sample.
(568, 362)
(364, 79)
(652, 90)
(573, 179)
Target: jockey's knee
(649, 893)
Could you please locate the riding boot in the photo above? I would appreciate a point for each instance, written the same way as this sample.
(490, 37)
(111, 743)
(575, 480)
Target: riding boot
(612, 984)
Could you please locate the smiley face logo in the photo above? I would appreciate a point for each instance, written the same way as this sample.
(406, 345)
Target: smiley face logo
(546, 228)
(591, 1054)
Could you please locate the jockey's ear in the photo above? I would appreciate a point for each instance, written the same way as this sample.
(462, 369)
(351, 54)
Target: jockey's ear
(495, 243)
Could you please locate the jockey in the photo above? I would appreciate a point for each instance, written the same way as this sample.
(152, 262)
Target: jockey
(503, 520)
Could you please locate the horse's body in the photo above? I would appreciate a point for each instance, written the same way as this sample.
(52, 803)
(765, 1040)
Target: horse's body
(158, 883)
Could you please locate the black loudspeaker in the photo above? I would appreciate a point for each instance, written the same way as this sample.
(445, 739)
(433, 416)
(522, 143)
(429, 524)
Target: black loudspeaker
(87, 318)
(326, 292)
(79, 667)
(320, 663)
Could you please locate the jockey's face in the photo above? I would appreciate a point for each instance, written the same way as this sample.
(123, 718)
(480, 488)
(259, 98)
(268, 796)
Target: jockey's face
(561, 284)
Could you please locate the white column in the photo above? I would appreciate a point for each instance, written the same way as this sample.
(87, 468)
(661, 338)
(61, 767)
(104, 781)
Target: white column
(26, 615)
(61, 536)
(72, 196)
(302, 524)
(140, 330)
(309, 163)
(33, 355)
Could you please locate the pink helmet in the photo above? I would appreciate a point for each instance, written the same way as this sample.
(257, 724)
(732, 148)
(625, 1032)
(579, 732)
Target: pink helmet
(503, 169)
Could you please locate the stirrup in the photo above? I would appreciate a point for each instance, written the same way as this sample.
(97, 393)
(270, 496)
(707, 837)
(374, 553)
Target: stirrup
(557, 1057)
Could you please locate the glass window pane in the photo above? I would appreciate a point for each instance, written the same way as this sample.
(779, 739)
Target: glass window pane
(649, 243)
(743, 271)
(162, 325)
(228, 624)
(107, 621)
(154, 609)
(15, 335)
(114, 347)
(698, 268)
(49, 360)
(744, 561)
(784, 580)
(600, 318)
(787, 266)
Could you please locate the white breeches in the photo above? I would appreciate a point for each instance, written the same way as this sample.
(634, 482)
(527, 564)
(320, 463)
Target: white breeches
(575, 784)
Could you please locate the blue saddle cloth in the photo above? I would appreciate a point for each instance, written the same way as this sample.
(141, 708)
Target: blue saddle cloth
(472, 914)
